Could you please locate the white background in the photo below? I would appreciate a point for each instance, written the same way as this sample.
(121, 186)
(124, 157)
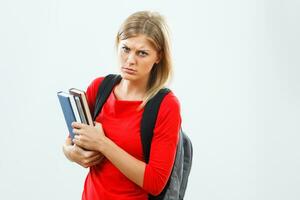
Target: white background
(236, 76)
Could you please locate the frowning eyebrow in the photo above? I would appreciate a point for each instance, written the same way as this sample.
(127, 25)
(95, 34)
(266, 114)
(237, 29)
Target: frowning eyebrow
(141, 49)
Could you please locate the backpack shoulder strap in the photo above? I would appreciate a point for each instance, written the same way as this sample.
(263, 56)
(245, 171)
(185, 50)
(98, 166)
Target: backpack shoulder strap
(104, 90)
(149, 119)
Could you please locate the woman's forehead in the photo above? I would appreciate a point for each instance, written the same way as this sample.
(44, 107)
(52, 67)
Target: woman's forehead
(138, 42)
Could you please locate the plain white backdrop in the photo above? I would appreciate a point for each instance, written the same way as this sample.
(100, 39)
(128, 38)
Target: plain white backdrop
(237, 77)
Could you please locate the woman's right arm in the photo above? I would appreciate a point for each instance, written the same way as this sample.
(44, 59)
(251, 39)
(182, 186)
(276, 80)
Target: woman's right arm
(82, 157)
(75, 153)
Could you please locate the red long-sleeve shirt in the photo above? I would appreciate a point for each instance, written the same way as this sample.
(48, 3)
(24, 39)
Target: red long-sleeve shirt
(121, 123)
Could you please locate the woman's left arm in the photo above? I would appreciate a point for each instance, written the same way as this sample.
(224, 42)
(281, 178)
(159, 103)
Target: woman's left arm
(93, 138)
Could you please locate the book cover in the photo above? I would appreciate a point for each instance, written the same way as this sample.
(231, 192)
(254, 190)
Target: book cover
(65, 102)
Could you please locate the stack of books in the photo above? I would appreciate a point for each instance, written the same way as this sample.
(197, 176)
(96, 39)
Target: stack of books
(75, 108)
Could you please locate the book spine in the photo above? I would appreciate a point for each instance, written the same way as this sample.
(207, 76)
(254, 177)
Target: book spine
(80, 110)
(84, 104)
(87, 109)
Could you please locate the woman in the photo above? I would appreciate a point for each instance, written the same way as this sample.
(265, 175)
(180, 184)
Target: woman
(112, 148)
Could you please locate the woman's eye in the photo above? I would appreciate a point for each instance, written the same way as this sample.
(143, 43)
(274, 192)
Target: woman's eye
(143, 54)
(125, 49)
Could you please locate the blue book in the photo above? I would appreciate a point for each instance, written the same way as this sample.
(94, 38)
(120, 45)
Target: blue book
(66, 100)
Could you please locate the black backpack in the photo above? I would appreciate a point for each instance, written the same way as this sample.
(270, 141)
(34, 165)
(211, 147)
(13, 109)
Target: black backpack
(177, 183)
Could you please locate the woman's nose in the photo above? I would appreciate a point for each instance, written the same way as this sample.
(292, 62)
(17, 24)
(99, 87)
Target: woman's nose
(131, 58)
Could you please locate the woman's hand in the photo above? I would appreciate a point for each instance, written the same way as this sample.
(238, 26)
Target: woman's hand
(82, 157)
(89, 137)
(93, 138)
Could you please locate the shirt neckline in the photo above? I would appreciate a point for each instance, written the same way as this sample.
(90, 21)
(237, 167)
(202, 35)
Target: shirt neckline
(125, 101)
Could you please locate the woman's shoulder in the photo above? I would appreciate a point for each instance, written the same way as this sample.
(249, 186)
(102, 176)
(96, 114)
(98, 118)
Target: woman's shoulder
(171, 98)
(170, 103)
(169, 115)
(97, 81)
(92, 89)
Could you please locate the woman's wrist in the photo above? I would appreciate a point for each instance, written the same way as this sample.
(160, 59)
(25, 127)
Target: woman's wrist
(67, 152)
(104, 144)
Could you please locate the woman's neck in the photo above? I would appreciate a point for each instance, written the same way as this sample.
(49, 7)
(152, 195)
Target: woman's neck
(131, 90)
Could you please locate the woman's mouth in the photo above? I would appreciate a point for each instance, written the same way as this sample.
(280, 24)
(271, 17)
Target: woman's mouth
(128, 70)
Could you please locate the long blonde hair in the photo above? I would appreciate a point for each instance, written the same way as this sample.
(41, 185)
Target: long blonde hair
(152, 25)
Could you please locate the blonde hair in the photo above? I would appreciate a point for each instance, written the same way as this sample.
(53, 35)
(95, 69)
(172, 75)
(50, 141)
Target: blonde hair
(152, 25)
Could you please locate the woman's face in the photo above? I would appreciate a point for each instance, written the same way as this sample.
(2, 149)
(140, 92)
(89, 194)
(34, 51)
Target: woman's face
(137, 56)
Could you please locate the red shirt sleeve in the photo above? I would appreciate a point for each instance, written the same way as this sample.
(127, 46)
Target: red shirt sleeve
(163, 146)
